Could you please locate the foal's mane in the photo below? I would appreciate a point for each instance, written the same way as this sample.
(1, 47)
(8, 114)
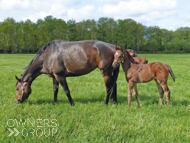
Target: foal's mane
(130, 58)
(37, 55)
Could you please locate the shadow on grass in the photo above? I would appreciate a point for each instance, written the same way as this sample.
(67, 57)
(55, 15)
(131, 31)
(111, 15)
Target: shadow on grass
(154, 99)
(147, 100)
(65, 100)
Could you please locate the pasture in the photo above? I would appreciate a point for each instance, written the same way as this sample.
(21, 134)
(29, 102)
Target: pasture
(40, 120)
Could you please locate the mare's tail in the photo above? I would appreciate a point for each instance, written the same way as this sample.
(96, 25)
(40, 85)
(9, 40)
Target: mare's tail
(171, 72)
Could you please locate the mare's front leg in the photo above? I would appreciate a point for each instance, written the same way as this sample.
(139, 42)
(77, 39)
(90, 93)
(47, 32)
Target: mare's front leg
(110, 91)
(61, 79)
(55, 89)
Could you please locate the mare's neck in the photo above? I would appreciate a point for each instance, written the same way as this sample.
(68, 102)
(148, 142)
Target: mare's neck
(34, 70)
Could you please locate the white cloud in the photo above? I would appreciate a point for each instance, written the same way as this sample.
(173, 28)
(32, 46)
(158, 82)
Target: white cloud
(12, 4)
(141, 9)
(163, 13)
(85, 12)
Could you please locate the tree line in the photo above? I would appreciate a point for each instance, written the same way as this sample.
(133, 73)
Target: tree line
(29, 37)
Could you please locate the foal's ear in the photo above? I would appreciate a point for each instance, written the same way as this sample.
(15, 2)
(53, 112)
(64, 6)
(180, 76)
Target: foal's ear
(116, 47)
(120, 48)
(17, 79)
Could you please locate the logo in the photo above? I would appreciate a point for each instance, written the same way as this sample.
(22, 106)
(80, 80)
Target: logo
(26, 127)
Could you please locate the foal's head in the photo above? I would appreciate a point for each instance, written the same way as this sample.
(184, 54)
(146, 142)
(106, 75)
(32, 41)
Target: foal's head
(118, 57)
(23, 90)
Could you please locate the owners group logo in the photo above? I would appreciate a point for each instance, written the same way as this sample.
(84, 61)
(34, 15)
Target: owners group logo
(28, 127)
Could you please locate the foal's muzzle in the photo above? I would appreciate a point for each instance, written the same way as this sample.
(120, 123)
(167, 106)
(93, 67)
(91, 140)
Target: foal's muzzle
(115, 64)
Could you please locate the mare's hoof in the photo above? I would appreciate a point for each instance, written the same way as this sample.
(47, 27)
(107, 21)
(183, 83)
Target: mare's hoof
(114, 102)
(72, 104)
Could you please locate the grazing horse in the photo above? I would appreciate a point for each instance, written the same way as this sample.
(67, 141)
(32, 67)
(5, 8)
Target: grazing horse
(141, 60)
(131, 52)
(60, 59)
(141, 73)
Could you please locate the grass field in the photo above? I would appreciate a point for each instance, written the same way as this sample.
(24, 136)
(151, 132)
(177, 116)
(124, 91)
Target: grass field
(39, 120)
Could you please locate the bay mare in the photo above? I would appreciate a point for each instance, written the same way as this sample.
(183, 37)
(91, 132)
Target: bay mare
(60, 59)
(141, 73)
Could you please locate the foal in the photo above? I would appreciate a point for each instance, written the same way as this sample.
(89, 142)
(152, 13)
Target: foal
(141, 60)
(141, 73)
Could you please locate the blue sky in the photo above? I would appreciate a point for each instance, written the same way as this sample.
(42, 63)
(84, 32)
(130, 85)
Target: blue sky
(168, 14)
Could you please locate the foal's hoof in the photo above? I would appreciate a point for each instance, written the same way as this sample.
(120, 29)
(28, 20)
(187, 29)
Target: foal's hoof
(72, 104)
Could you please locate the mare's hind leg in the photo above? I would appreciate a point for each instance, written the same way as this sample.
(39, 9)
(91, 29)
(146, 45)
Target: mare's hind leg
(167, 92)
(136, 95)
(161, 91)
(107, 80)
(62, 81)
(55, 89)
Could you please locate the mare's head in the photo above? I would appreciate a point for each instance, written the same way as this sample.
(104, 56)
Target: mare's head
(23, 90)
(118, 57)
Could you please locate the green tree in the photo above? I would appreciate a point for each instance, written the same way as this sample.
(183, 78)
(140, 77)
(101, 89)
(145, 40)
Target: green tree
(126, 33)
(71, 30)
(139, 36)
(60, 29)
(154, 36)
(102, 28)
(8, 30)
(111, 31)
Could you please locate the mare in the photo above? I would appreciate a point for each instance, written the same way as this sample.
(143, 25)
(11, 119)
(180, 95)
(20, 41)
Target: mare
(60, 59)
(141, 73)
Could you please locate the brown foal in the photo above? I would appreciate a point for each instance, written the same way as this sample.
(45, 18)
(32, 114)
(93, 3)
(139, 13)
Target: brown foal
(142, 73)
(141, 60)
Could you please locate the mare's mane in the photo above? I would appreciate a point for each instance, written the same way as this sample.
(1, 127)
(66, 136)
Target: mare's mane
(37, 55)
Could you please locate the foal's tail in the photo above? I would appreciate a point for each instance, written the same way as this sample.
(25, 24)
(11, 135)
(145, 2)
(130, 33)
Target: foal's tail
(171, 72)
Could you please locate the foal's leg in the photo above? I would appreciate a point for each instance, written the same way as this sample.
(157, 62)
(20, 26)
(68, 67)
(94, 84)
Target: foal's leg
(130, 87)
(55, 89)
(161, 91)
(62, 81)
(136, 95)
(167, 92)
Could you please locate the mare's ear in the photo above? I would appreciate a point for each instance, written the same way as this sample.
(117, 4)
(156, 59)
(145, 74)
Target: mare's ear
(17, 79)
(116, 47)
(120, 48)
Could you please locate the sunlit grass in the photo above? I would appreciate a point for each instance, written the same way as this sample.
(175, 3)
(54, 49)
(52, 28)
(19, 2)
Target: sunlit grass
(90, 120)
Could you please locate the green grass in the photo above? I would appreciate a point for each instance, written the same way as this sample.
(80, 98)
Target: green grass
(90, 120)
